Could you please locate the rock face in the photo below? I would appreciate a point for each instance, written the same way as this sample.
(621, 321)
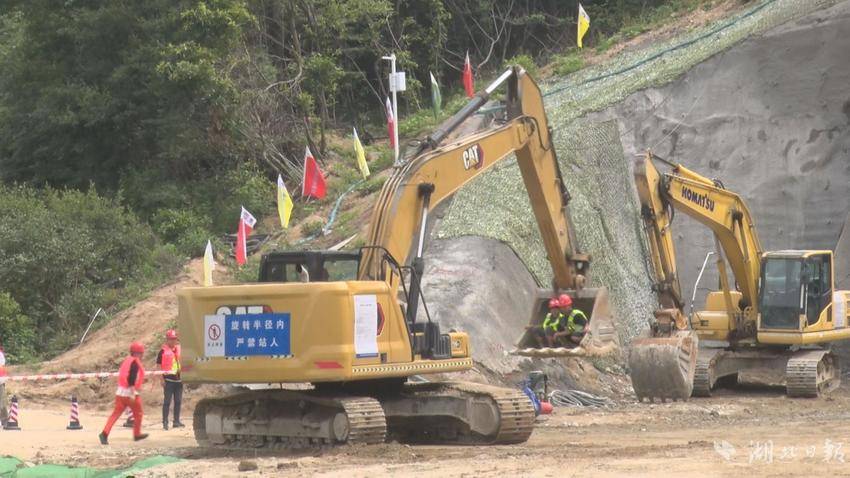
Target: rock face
(480, 286)
(771, 119)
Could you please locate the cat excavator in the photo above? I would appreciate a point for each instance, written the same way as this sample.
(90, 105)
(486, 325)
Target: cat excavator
(338, 333)
(776, 320)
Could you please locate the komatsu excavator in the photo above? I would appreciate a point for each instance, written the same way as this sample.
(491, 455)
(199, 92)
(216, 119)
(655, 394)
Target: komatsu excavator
(777, 319)
(348, 323)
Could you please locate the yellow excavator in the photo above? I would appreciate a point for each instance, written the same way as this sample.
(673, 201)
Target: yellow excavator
(347, 326)
(776, 320)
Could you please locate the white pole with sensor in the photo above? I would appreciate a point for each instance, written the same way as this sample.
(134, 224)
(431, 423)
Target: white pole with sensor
(397, 83)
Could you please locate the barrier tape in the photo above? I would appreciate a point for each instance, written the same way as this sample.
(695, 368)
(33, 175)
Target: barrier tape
(65, 376)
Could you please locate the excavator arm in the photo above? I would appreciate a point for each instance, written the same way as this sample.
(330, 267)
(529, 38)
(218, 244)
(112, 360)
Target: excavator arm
(439, 168)
(440, 165)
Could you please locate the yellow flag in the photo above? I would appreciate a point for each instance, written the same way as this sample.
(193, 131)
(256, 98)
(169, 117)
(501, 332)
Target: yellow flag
(583, 24)
(284, 203)
(209, 265)
(361, 156)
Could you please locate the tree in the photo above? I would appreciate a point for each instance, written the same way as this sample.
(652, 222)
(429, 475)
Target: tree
(89, 88)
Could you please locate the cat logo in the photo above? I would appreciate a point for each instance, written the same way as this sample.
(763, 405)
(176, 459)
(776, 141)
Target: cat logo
(473, 157)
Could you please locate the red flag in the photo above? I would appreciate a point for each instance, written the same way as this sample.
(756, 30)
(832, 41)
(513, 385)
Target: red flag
(467, 78)
(314, 181)
(246, 225)
(390, 123)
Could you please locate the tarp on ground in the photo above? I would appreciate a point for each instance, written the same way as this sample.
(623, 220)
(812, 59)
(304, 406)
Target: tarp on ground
(11, 467)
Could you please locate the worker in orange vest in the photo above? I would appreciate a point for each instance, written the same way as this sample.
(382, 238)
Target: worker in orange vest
(3, 411)
(131, 376)
(168, 360)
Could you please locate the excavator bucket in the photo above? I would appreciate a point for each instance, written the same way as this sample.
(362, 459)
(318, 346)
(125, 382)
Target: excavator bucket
(601, 336)
(663, 367)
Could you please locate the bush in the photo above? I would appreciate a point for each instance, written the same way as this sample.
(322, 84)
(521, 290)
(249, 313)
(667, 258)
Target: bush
(568, 63)
(312, 228)
(525, 61)
(373, 184)
(63, 254)
(185, 228)
(16, 331)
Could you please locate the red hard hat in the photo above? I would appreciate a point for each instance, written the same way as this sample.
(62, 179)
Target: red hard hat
(137, 348)
(171, 334)
(565, 300)
(553, 303)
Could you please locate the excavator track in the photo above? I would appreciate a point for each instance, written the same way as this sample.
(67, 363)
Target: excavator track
(283, 419)
(459, 413)
(704, 375)
(430, 412)
(810, 373)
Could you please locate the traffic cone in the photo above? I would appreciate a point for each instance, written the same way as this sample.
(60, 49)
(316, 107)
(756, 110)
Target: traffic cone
(129, 414)
(74, 424)
(12, 421)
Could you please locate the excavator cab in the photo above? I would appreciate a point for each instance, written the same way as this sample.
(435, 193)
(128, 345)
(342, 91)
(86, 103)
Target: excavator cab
(796, 288)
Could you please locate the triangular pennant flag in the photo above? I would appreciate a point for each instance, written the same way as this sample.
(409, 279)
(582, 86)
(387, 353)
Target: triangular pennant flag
(361, 156)
(390, 122)
(314, 182)
(284, 203)
(246, 225)
(436, 98)
(209, 265)
(583, 24)
(468, 84)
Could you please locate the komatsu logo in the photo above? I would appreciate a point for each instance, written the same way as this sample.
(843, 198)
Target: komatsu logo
(473, 157)
(698, 199)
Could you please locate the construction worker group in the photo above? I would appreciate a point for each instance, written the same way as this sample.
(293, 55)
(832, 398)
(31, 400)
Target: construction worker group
(563, 324)
(131, 376)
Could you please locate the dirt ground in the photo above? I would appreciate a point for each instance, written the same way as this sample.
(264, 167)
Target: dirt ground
(757, 432)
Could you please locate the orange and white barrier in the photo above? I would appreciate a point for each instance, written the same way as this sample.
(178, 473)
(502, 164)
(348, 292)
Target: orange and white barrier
(66, 376)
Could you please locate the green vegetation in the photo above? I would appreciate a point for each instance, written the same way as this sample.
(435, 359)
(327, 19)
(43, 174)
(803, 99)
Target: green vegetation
(64, 254)
(568, 63)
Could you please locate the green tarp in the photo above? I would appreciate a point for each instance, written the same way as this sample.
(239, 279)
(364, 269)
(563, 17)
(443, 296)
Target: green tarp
(11, 467)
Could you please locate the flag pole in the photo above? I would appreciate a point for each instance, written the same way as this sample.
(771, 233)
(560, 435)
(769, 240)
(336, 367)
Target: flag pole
(393, 90)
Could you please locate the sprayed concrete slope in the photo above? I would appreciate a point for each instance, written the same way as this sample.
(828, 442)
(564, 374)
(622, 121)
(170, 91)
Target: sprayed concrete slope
(771, 119)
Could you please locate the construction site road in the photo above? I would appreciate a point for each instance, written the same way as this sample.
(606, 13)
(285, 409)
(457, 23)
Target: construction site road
(754, 432)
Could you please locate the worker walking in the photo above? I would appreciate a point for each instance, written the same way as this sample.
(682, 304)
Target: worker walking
(3, 411)
(131, 376)
(573, 321)
(168, 360)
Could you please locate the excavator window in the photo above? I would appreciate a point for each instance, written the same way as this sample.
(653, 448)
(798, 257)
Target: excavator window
(321, 266)
(781, 301)
(817, 277)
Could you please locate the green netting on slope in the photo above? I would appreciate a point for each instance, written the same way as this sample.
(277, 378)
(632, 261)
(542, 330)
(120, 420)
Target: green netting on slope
(11, 467)
(595, 169)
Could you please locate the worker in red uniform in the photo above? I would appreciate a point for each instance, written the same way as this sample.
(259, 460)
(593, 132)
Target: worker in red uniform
(131, 376)
(168, 360)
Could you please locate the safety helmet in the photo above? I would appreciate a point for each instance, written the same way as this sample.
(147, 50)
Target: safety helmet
(565, 300)
(553, 303)
(137, 348)
(171, 334)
